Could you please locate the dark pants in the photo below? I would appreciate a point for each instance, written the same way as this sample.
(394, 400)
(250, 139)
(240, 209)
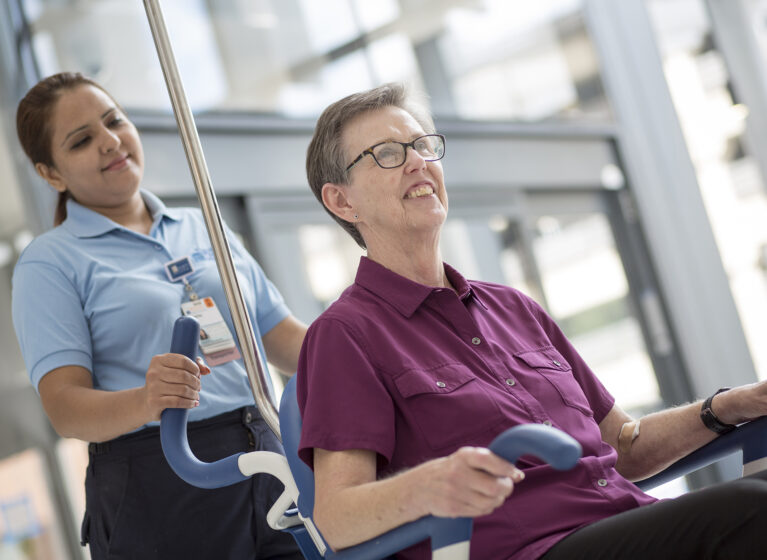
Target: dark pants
(136, 506)
(724, 521)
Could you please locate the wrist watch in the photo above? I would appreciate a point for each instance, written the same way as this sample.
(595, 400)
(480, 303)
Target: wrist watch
(710, 419)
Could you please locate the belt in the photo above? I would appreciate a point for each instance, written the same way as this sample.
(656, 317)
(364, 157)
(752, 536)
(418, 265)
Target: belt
(148, 438)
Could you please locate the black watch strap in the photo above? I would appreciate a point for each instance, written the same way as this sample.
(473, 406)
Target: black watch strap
(710, 419)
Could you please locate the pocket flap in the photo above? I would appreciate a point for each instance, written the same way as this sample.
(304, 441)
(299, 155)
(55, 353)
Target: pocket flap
(544, 358)
(443, 379)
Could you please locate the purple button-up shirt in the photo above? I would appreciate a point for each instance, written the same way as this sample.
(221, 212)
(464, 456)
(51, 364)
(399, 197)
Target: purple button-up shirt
(413, 373)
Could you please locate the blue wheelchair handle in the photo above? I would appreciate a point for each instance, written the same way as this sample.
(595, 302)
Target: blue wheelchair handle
(175, 445)
(554, 446)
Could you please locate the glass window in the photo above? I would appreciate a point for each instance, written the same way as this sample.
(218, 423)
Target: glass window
(110, 40)
(492, 59)
(372, 15)
(524, 61)
(586, 291)
(714, 125)
(331, 257)
(329, 24)
(29, 528)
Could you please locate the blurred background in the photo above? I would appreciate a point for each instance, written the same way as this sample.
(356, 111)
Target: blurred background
(607, 158)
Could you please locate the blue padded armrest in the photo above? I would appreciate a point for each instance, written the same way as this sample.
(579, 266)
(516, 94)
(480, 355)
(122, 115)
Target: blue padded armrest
(751, 438)
(175, 446)
(549, 444)
(290, 428)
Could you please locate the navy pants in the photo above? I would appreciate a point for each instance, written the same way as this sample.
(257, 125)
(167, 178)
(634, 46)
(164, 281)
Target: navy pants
(726, 521)
(136, 506)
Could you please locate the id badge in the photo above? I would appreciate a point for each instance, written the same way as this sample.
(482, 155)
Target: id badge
(216, 340)
(179, 269)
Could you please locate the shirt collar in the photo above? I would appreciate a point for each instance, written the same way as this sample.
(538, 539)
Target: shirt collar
(403, 294)
(84, 222)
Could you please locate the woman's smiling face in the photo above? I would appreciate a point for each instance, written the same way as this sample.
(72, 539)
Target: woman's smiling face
(404, 202)
(96, 151)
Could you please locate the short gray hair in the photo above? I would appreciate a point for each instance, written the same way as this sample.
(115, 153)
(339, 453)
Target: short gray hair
(325, 158)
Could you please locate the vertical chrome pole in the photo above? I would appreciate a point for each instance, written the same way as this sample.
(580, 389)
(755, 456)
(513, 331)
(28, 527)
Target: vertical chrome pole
(191, 141)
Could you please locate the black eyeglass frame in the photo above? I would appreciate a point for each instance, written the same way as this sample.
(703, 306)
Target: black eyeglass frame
(405, 146)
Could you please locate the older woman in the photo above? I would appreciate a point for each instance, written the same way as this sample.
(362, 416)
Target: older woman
(406, 378)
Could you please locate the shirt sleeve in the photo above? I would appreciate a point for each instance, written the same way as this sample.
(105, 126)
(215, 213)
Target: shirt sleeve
(600, 399)
(343, 401)
(49, 320)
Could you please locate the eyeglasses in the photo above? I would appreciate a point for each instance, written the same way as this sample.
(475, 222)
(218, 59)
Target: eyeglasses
(431, 147)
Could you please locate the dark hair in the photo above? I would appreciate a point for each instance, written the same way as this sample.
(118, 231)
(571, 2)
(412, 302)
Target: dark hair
(325, 158)
(33, 118)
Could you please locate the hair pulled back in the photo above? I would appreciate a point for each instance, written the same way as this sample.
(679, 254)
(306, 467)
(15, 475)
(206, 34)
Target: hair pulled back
(33, 122)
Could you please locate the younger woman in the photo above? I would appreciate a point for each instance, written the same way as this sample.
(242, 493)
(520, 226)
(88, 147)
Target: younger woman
(94, 302)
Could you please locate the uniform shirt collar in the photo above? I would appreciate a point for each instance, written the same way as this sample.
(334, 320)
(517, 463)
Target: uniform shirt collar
(403, 294)
(84, 222)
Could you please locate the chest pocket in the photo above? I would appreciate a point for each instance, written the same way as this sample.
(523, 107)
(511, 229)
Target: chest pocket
(554, 368)
(449, 406)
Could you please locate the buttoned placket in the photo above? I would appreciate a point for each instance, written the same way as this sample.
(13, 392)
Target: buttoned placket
(155, 243)
(457, 314)
(454, 312)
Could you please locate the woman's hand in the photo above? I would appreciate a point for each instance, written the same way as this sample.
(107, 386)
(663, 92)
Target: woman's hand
(172, 381)
(77, 410)
(352, 505)
(471, 482)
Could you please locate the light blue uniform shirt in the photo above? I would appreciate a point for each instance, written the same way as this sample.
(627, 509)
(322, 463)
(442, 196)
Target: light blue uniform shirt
(92, 293)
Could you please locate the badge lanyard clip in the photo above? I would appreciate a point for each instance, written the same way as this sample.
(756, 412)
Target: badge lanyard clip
(179, 269)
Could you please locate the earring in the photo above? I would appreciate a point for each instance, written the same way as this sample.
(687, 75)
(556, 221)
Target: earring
(356, 217)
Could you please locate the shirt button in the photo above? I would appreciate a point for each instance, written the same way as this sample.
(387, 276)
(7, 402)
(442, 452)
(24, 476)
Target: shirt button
(602, 482)
(476, 341)
(547, 423)
(441, 384)
(158, 247)
(510, 382)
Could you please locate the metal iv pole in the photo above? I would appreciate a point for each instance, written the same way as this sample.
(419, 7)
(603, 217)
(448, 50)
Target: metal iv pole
(191, 141)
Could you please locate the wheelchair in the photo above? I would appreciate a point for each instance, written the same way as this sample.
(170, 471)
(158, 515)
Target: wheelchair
(450, 538)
